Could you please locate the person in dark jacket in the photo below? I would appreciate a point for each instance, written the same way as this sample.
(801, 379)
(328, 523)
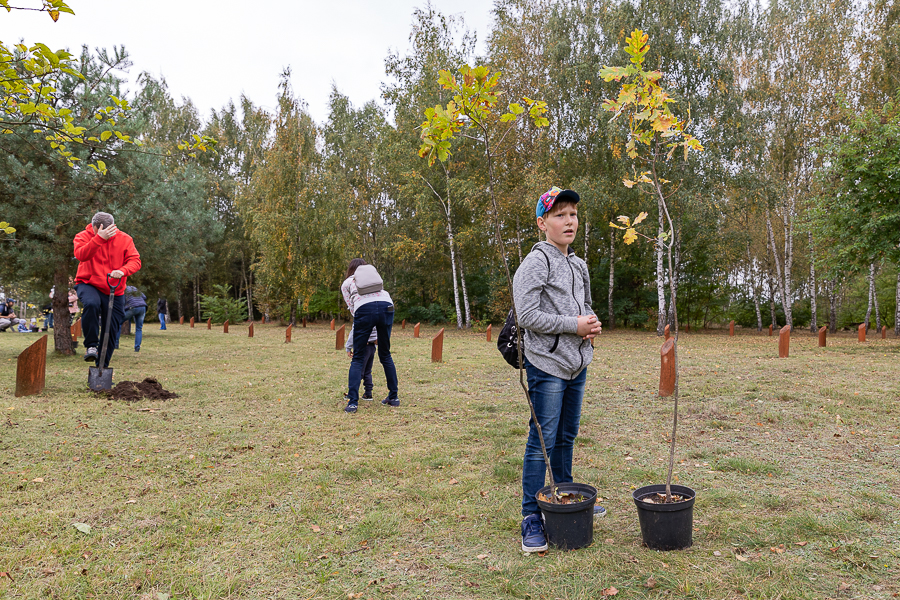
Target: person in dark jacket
(162, 309)
(136, 310)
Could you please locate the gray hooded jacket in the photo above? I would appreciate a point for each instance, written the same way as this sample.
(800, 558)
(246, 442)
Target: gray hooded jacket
(550, 291)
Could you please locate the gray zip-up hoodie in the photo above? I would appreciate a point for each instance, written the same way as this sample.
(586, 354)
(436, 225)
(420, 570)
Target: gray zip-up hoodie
(550, 291)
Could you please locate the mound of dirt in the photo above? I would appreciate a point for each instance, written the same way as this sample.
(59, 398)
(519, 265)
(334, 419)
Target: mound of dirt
(132, 391)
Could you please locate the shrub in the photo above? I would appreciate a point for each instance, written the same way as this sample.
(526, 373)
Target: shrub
(221, 307)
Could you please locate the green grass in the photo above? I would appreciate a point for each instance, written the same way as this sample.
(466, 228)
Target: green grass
(255, 484)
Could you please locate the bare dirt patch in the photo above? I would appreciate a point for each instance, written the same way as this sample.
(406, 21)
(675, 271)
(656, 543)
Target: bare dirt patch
(132, 391)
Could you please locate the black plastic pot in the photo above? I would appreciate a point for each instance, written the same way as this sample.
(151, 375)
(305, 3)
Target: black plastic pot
(569, 526)
(666, 526)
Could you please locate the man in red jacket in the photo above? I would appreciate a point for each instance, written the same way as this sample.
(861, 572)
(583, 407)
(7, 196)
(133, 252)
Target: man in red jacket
(102, 250)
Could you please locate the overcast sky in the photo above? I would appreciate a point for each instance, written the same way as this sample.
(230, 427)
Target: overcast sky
(214, 51)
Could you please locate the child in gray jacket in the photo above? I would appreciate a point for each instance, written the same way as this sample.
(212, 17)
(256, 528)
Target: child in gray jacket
(552, 295)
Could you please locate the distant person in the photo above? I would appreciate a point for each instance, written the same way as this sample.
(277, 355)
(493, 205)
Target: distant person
(73, 304)
(369, 358)
(106, 256)
(371, 311)
(8, 316)
(162, 309)
(552, 296)
(136, 310)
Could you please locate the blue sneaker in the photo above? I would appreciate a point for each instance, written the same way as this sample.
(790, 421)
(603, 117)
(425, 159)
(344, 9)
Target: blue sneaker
(533, 537)
(350, 408)
(599, 511)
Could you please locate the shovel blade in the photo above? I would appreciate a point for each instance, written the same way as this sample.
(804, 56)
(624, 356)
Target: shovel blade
(100, 379)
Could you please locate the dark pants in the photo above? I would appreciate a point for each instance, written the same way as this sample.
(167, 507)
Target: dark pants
(367, 369)
(94, 308)
(557, 404)
(380, 317)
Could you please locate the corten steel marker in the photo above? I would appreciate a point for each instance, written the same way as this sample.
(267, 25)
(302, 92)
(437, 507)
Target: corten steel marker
(403, 324)
(339, 338)
(731, 329)
(31, 369)
(437, 346)
(250, 332)
(784, 342)
(192, 322)
(770, 329)
(884, 332)
(823, 336)
(181, 321)
(225, 327)
(861, 332)
(287, 334)
(332, 324)
(304, 322)
(416, 330)
(666, 332)
(667, 368)
(209, 323)
(489, 333)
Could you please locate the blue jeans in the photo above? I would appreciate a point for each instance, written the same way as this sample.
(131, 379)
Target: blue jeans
(137, 314)
(162, 320)
(557, 404)
(380, 317)
(95, 306)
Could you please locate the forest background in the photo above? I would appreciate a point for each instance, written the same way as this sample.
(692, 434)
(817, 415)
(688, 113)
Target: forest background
(790, 216)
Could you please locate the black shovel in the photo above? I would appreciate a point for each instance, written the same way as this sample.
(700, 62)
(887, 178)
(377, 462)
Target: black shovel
(100, 379)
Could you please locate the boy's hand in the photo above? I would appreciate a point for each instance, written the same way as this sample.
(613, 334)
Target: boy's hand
(349, 353)
(588, 327)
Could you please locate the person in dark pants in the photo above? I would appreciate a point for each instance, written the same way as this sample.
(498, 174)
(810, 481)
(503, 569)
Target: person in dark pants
(135, 310)
(106, 257)
(162, 308)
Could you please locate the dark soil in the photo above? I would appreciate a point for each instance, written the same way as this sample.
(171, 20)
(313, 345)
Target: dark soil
(132, 391)
(660, 498)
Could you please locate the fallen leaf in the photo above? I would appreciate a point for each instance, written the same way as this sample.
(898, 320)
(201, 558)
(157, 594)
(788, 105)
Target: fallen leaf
(801, 543)
(740, 558)
(777, 549)
(316, 528)
(651, 584)
(610, 591)
(472, 585)
(608, 541)
(7, 575)
(82, 527)
(131, 501)
(717, 553)
(453, 482)
(356, 595)
(482, 556)
(493, 568)
(161, 596)
(844, 586)
(877, 588)
(321, 556)
(38, 480)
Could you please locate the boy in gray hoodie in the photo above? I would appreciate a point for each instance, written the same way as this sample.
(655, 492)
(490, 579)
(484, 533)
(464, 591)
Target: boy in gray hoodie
(552, 294)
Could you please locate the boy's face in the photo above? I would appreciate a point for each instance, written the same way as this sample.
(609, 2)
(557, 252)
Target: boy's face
(560, 224)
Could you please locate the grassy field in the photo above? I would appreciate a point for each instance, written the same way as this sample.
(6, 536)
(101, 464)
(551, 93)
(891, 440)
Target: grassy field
(255, 484)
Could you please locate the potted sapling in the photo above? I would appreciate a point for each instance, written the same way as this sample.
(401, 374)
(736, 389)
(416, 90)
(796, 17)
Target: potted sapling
(475, 113)
(654, 135)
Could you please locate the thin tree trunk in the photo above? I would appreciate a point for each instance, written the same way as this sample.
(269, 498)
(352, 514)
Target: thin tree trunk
(660, 278)
(871, 294)
(753, 290)
(771, 288)
(587, 231)
(459, 312)
(897, 308)
(788, 264)
(611, 313)
(250, 292)
(197, 296)
(462, 280)
(670, 319)
(779, 279)
(293, 312)
(62, 334)
(180, 311)
(875, 300)
(814, 323)
(832, 308)
(518, 238)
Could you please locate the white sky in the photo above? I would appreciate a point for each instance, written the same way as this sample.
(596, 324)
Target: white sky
(214, 51)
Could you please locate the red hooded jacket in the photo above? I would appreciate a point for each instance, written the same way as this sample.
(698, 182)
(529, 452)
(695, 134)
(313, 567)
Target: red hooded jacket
(97, 257)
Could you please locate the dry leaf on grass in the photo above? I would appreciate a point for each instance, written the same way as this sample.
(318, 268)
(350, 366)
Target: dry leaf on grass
(316, 528)
(38, 480)
(801, 543)
(779, 549)
(844, 586)
(610, 591)
(82, 527)
(453, 482)
(740, 558)
(356, 595)
(482, 556)
(651, 584)
(7, 575)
